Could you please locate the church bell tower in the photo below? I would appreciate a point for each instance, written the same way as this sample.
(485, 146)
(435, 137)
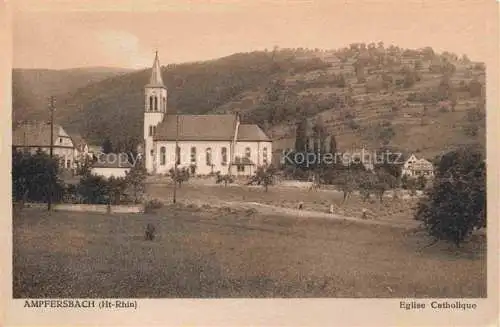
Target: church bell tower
(155, 108)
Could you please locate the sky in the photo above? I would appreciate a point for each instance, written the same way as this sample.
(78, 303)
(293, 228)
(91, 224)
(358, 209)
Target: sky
(60, 34)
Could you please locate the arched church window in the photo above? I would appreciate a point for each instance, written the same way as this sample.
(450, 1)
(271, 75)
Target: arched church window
(163, 156)
(208, 156)
(156, 103)
(150, 130)
(151, 102)
(164, 104)
(193, 155)
(248, 153)
(224, 155)
(178, 155)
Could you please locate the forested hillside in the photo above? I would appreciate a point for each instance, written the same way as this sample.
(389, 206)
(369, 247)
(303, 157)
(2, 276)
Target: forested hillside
(366, 95)
(32, 87)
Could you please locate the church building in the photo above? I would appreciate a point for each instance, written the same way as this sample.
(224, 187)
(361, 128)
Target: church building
(205, 143)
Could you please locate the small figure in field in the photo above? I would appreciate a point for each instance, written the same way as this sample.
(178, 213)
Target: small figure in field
(150, 232)
(301, 205)
(331, 208)
(364, 214)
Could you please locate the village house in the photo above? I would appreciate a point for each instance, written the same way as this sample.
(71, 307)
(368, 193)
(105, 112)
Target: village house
(81, 149)
(206, 143)
(31, 136)
(414, 167)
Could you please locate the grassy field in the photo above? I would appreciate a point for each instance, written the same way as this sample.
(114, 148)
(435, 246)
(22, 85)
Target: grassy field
(399, 210)
(209, 253)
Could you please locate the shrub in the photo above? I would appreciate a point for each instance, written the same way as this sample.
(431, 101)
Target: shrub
(93, 189)
(470, 129)
(226, 179)
(152, 205)
(181, 176)
(263, 176)
(353, 124)
(474, 115)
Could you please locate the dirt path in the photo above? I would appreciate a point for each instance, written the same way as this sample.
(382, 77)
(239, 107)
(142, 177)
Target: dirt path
(267, 209)
(282, 201)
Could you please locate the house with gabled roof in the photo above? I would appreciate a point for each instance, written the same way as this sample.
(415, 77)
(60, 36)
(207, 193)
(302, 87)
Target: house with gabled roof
(415, 167)
(205, 143)
(34, 135)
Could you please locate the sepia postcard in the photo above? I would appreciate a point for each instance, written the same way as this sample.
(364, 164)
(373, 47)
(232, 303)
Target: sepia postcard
(250, 163)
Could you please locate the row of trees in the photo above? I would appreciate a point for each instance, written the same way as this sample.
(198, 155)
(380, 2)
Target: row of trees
(93, 189)
(35, 178)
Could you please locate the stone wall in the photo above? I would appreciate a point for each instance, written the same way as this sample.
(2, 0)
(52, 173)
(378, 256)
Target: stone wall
(100, 208)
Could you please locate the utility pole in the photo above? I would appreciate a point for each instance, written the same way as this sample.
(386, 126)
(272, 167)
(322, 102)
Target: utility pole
(176, 155)
(52, 108)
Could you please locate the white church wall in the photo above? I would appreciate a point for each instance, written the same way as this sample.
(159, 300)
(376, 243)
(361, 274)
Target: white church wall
(256, 151)
(185, 156)
(150, 119)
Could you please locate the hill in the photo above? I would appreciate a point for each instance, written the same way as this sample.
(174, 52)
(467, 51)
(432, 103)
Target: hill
(367, 95)
(32, 87)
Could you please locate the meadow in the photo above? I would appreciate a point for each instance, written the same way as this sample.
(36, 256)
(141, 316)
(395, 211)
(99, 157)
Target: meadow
(215, 252)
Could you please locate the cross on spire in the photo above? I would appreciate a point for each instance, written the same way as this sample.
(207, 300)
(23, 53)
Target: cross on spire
(156, 79)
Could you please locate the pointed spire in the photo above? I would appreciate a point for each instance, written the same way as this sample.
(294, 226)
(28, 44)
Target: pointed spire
(156, 79)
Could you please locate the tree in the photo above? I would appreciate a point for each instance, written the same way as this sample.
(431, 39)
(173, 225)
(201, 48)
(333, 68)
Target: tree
(300, 135)
(135, 180)
(333, 145)
(470, 129)
(319, 135)
(409, 79)
(445, 88)
(181, 176)
(384, 181)
(264, 176)
(475, 88)
(84, 166)
(421, 182)
(107, 147)
(35, 177)
(116, 187)
(456, 204)
(340, 81)
(386, 132)
(347, 183)
(367, 182)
